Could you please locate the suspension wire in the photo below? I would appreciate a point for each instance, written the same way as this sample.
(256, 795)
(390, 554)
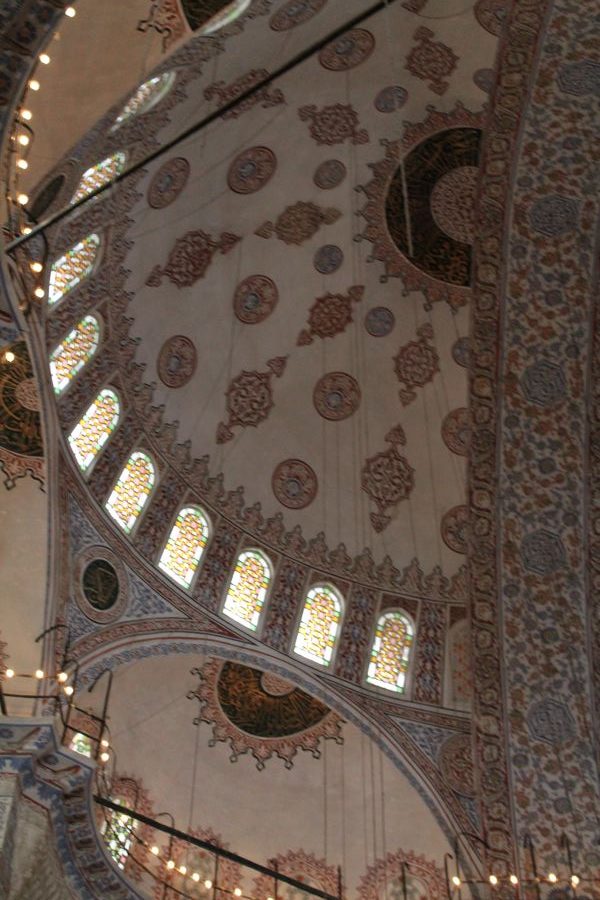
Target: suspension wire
(325, 820)
(373, 803)
(383, 838)
(343, 779)
(363, 779)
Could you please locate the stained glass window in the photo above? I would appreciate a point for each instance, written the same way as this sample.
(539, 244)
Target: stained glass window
(390, 653)
(185, 546)
(94, 429)
(82, 744)
(231, 12)
(74, 352)
(319, 625)
(119, 834)
(131, 491)
(100, 174)
(68, 271)
(146, 96)
(248, 589)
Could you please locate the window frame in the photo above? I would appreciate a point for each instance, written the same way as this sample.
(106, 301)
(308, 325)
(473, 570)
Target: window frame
(200, 563)
(51, 307)
(261, 618)
(101, 334)
(129, 534)
(122, 153)
(165, 90)
(320, 666)
(86, 473)
(385, 691)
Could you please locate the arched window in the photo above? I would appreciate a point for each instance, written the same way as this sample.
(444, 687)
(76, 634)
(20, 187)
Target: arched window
(147, 95)
(81, 744)
(228, 15)
(69, 270)
(92, 431)
(390, 653)
(248, 589)
(185, 546)
(100, 174)
(74, 352)
(319, 625)
(131, 492)
(118, 834)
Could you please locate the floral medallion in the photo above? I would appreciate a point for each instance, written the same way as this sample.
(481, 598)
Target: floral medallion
(456, 763)
(328, 259)
(336, 396)
(250, 399)
(251, 170)
(258, 713)
(176, 361)
(226, 93)
(294, 484)
(168, 182)
(491, 14)
(388, 478)
(416, 363)
(305, 867)
(431, 60)
(390, 99)
(190, 258)
(484, 79)
(461, 352)
(330, 315)
(455, 431)
(380, 321)
(453, 203)
(294, 13)
(329, 174)
(255, 299)
(454, 528)
(21, 446)
(347, 51)
(334, 124)
(298, 223)
(27, 394)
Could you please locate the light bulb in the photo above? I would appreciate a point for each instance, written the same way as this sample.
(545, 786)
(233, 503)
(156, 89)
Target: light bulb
(9, 357)
(39, 674)
(25, 229)
(238, 892)
(27, 115)
(104, 743)
(552, 878)
(23, 199)
(105, 757)
(195, 877)
(23, 140)
(208, 884)
(170, 864)
(69, 690)
(456, 880)
(39, 292)
(44, 59)
(10, 673)
(514, 879)
(575, 880)
(493, 879)
(155, 850)
(183, 869)
(22, 164)
(70, 12)
(37, 267)
(34, 85)
(62, 676)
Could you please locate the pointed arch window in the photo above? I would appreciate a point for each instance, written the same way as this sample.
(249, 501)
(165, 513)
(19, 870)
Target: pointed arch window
(74, 352)
(185, 546)
(147, 95)
(99, 174)
(81, 744)
(390, 654)
(119, 834)
(229, 14)
(248, 589)
(69, 270)
(130, 493)
(95, 427)
(319, 625)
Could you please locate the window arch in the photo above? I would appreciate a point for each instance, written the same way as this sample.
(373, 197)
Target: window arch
(118, 833)
(185, 546)
(147, 95)
(69, 270)
(224, 17)
(130, 493)
(99, 174)
(81, 743)
(74, 352)
(319, 625)
(95, 427)
(390, 653)
(248, 588)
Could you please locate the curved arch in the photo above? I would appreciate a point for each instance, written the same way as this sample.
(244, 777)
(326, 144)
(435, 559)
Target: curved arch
(224, 14)
(99, 174)
(94, 428)
(72, 268)
(185, 545)
(391, 651)
(146, 97)
(319, 626)
(132, 490)
(248, 588)
(74, 352)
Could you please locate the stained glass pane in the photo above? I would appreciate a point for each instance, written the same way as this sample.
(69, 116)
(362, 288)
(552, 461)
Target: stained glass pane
(82, 744)
(185, 546)
(248, 589)
(231, 12)
(100, 174)
(68, 271)
(319, 625)
(74, 352)
(146, 96)
(390, 653)
(119, 835)
(94, 429)
(131, 491)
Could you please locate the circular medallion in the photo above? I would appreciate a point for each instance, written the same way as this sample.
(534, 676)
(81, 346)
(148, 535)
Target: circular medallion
(453, 203)
(275, 685)
(455, 431)
(295, 12)
(328, 259)
(379, 321)
(348, 51)
(177, 361)
(491, 14)
(484, 79)
(26, 394)
(255, 298)
(168, 182)
(294, 484)
(390, 99)
(461, 352)
(329, 174)
(336, 396)
(100, 584)
(454, 528)
(251, 170)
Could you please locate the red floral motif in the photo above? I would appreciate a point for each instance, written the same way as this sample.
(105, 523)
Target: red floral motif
(388, 478)
(255, 299)
(431, 60)
(423, 878)
(298, 223)
(330, 315)
(334, 124)
(456, 763)
(227, 93)
(190, 258)
(336, 396)
(416, 364)
(250, 399)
